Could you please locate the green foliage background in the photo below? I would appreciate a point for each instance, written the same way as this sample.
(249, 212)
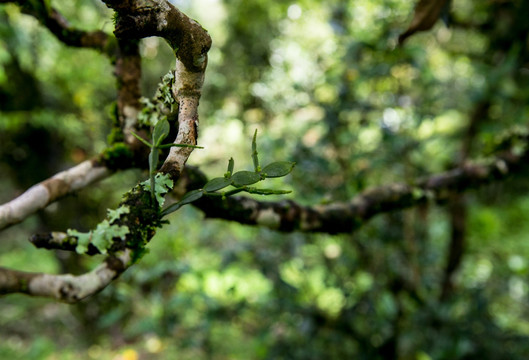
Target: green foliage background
(327, 87)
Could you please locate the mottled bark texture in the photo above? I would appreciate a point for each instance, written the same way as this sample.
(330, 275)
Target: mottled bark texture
(190, 42)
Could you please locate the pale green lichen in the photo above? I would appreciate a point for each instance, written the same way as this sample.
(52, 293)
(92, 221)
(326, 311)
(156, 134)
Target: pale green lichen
(162, 185)
(105, 231)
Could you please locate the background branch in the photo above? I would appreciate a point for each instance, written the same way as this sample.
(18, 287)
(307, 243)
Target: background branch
(338, 217)
(68, 288)
(63, 30)
(41, 195)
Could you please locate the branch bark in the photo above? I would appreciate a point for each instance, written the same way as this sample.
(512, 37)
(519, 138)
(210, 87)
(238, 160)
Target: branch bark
(63, 30)
(135, 20)
(346, 217)
(41, 195)
(68, 288)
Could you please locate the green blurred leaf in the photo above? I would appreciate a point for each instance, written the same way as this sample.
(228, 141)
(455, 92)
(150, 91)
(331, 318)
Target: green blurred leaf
(255, 158)
(257, 191)
(191, 196)
(186, 199)
(231, 165)
(217, 184)
(160, 132)
(278, 169)
(242, 178)
(141, 139)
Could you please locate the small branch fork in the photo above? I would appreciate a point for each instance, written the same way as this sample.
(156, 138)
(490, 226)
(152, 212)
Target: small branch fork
(135, 20)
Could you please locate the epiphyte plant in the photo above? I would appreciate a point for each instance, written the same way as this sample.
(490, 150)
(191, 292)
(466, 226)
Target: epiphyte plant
(239, 181)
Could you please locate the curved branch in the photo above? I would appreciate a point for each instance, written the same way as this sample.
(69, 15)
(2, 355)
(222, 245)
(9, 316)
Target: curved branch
(191, 43)
(137, 19)
(68, 288)
(141, 18)
(62, 29)
(41, 195)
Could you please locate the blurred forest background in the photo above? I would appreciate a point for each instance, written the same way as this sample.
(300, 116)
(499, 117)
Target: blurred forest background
(327, 86)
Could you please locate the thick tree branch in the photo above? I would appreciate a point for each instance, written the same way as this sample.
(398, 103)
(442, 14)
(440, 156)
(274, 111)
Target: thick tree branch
(128, 76)
(41, 195)
(141, 18)
(140, 221)
(346, 217)
(137, 19)
(190, 43)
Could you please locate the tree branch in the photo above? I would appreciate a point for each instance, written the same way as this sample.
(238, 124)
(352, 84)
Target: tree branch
(190, 43)
(138, 19)
(62, 29)
(68, 288)
(41, 195)
(59, 241)
(346, 217)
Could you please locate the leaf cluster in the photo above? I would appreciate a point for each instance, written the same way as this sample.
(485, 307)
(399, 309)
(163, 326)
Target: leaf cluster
(159, 133)
(240, 181)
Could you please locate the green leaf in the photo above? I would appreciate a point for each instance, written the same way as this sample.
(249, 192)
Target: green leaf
(257, 191)
(141, 139)
(153, 160)
(242, 178)
(278, 169)
(254, 152)
(186, 199)
(160, 132)
(113, 215)
(231, 165)
(217, 184)
(191, 196)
